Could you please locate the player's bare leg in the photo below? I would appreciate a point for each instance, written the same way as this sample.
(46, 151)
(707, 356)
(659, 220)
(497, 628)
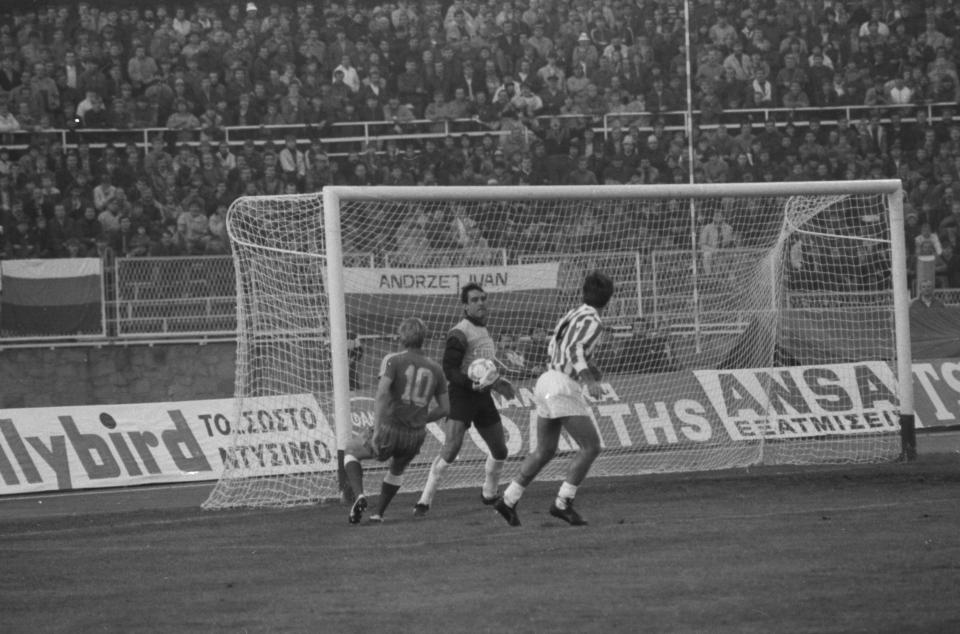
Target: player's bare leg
(392, 482)
(548, 436)
(493, 436)
(585, 433)
(582, 430)
(453, 439)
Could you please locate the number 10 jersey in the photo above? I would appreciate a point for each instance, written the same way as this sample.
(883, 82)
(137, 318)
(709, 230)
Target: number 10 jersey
(415, 380)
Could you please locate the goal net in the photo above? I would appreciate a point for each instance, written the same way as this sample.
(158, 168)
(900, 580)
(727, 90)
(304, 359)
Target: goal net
(751, 324)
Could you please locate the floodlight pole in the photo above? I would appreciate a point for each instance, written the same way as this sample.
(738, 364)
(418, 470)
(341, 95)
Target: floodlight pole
(693, 208)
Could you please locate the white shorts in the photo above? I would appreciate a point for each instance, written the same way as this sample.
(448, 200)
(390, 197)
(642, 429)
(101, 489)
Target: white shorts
(559, 396)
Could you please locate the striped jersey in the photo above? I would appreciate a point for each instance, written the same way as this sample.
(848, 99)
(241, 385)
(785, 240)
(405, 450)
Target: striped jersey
(415, 380)
(574, 339)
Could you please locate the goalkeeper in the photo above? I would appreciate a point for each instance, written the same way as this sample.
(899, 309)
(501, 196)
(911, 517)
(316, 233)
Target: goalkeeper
(469, 403)
(561, 404)
(409, 381)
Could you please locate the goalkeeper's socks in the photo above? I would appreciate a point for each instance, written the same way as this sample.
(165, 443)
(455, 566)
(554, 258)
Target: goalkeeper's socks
(433, 480)
(513, 493)
(492, 480)
(351, 466)
(567, 493)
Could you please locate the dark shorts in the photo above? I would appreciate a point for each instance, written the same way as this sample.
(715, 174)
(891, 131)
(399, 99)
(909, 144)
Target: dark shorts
(398, 442)
(477, 408)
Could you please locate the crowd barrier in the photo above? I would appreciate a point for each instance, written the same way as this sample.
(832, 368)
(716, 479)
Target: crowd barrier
(189, 297)
(340, 139)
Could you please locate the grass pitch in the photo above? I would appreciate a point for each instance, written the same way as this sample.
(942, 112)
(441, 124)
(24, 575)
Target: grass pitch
(859, 549)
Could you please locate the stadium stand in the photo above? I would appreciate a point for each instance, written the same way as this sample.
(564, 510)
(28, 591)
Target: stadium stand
(128, 131)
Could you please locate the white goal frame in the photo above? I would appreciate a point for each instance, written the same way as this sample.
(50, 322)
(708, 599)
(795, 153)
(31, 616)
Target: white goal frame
(892, 189)
(281, 248)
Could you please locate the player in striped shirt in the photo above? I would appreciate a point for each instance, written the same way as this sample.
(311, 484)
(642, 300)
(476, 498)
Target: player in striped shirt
(409, 381)
(562, 405)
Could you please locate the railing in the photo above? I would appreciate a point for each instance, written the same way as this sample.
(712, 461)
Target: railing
(182, 296)
(828, 116)
(426, 258)
(625, 267)
(673, 291)
(346, 137)
(194, 298)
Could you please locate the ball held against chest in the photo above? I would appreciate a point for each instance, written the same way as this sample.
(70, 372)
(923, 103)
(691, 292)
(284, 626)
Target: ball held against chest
(483, 372)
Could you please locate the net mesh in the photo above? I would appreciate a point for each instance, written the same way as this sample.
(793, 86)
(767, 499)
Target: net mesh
(283, 442)
(743, 330)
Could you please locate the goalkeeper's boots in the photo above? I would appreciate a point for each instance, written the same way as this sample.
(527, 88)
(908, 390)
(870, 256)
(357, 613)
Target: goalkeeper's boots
(508, 513)
(488, 501)
(420, 510)
(356, 511)
(376, 518)
(568, 514)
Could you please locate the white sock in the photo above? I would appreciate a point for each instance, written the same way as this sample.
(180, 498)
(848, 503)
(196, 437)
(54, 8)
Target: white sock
(513, 493)
(567, 493)
(433, 480)
(491, 482)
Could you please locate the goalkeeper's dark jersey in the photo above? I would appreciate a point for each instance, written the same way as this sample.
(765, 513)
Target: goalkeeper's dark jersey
(415, 380)
(466, 342)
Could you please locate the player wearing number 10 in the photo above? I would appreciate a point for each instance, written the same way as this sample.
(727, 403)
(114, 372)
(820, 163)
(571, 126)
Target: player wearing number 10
(409, 381)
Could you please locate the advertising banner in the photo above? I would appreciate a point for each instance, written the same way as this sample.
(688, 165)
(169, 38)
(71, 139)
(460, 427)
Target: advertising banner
(63, 448)
(377, 299)
(449, 281)
(76, 447)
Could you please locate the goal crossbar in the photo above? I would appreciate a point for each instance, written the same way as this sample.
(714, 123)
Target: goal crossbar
(892, 188)
(615, 192)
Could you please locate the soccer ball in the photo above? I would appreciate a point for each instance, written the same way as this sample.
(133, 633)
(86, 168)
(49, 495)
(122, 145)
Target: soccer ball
(483, 372)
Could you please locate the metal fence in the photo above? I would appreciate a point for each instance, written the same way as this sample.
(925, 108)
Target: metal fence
(426, 258)
(674, 293)
(624, 267)
(190, 298)
(341, 138)
(174, 296)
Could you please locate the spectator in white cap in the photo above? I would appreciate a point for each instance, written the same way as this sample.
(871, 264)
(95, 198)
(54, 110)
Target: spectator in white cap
(350, 76)
(584, 54)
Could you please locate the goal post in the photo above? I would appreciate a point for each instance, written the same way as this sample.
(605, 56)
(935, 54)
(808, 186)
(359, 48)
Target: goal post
(901, 299)
(716, 356)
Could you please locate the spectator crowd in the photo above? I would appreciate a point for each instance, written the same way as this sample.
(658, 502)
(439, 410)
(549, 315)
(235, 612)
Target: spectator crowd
(519, 92)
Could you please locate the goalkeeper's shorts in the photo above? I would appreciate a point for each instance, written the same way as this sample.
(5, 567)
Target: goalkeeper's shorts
(470, 407)
(396, 441)
(559, 396)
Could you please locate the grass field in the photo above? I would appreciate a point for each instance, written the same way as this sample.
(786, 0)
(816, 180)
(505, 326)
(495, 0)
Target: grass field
(852, 549)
